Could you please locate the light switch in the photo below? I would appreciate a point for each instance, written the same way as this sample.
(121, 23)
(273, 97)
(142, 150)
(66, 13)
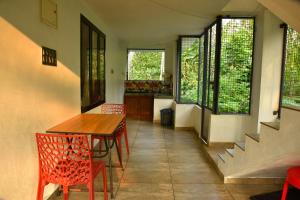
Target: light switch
(49, 12)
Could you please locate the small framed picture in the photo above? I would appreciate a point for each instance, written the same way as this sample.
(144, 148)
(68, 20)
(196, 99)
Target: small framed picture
(49, 12)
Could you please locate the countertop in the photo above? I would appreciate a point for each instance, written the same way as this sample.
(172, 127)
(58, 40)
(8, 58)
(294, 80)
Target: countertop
(155, 95)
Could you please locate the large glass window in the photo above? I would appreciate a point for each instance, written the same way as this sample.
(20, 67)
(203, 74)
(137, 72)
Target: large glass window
(92, 66)
(211, 61)
(201, 69)
(146, 64)
(189, 64)
(236, 65)
(291, 84)
(217, 66)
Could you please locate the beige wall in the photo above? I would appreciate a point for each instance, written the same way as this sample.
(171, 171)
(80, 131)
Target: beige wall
(184, 115)
(228, 128)
(197, 116)
(266, 70)
(286, 10)
(35, 97)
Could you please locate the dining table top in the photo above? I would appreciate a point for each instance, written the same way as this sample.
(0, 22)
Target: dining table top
(89, 124)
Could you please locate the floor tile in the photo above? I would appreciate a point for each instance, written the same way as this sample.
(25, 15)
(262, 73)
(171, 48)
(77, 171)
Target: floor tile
(166, 164)
(201, 191)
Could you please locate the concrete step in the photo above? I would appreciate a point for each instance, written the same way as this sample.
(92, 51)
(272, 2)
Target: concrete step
(241, 145)
(273, 125)
(230, 152)
(253, 136)
(221, 157)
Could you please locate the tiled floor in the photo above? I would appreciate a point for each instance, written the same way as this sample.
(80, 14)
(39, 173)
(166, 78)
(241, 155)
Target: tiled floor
(165, 165)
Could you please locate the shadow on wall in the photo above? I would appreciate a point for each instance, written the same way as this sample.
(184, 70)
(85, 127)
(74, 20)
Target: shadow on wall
(33, 98)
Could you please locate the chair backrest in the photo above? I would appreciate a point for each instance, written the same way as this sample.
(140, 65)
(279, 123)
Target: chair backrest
(64, 159)
(113, 109)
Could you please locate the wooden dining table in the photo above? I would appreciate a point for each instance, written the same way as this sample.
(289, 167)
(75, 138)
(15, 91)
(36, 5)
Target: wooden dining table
(94, 124)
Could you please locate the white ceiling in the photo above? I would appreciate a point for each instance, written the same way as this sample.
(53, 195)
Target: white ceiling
(158, 22)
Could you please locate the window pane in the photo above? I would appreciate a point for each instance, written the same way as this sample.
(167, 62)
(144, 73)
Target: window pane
(146, 64)
(211, 65)
(201, 70)
(189, 69)
(291, 90)
(102, 68)
(236, 65)
(85, 62)
(92, 59)
(95, 87)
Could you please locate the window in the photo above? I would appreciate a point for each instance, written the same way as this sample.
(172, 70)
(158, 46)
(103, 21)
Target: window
(236, 65)
(211, 58)
(201, 69)
(215, 68)
(291, 69)
(146, 64)
(92, 65)
(188, 67)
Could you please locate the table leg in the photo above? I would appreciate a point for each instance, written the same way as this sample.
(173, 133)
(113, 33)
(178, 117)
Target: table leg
(119, 155)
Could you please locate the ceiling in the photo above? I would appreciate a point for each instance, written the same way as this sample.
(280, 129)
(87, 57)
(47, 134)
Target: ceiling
(141, 23)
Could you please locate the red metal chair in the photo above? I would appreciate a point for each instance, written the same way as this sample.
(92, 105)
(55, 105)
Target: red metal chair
(121, 130)
(293, 178)
(66, 160)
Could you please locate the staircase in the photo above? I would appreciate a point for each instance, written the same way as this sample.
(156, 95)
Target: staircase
(265, 156)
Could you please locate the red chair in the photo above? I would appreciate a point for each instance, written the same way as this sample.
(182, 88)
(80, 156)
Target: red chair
(121, 130)
(293, 178)
(66, 160)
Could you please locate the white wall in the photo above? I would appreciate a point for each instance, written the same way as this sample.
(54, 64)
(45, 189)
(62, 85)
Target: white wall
(197, 115)
(271, 67)
(35, 97)
(184, 115)
(287, 11)
(228, 128)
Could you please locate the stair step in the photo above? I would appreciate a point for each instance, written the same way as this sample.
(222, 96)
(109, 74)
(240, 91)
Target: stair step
(273, 125)
(253, 136)
(241, 145)
(230, 151)
(221, 156)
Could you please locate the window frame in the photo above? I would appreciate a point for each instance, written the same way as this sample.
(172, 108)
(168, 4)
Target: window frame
(144, 49)
(285, 28)
(102, 88)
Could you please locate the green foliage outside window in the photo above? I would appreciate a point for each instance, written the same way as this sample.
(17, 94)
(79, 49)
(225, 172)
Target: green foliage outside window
(291, 90)
(189, 69)
(145, 65)
(236, 65)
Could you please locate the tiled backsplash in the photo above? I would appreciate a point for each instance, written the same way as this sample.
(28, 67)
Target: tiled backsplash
(162, 87)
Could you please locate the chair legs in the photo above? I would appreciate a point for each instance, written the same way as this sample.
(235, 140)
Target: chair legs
(126, 140)
(91, 190)
(40, 192)
(66, 192)
(104, 184)
(119, 139)
(285, 190)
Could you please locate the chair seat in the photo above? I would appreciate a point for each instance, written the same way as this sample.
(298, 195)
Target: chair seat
(66, 168)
